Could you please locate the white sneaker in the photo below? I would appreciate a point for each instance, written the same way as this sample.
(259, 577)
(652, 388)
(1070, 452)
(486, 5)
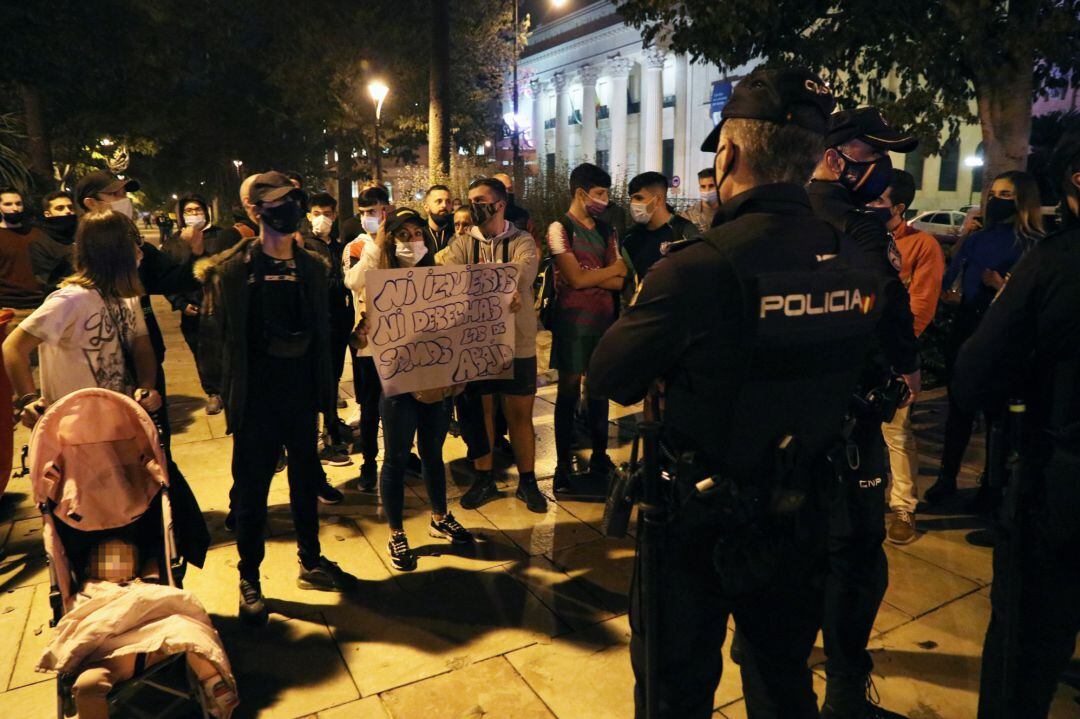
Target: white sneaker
(354, 419)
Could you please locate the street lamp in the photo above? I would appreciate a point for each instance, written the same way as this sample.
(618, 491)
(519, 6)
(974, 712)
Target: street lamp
(378, 92)
(238, 164)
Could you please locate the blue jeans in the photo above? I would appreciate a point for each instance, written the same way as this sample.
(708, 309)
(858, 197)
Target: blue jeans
(405, 417)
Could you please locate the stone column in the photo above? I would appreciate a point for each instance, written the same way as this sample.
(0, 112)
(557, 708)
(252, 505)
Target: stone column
(652, 108)
(562, 126)
(588, 75)
(681, 165)
(619, 71)
(536, 88)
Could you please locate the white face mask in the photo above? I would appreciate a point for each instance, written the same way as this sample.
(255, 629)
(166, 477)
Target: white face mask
(371, 224)
(124, 207)
(321, 225)
(195, 222)
(709, 198)
(640, 212)
(409, 253)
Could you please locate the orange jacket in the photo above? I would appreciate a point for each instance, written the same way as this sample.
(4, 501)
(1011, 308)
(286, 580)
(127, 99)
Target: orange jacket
(922, 267)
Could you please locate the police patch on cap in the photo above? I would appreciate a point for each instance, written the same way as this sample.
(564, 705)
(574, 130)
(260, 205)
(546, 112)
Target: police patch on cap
(870, 126)
(786, 96)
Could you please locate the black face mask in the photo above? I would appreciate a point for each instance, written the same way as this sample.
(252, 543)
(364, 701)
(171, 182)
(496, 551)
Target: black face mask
(284, 218)
(998, 210)
(481, 212)
(14, 218)
(61, 228)
(866, 180)
(441, 221)
(882, 213)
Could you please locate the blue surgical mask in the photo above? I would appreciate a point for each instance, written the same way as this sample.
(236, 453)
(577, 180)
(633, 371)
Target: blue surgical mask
(371, 224)
(709, 198)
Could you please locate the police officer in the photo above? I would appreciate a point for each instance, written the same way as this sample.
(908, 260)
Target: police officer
(756, 332)
(856, 169)
(1028, 346)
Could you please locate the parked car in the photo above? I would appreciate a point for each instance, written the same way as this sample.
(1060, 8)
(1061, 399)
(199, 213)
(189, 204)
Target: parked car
(942, 224)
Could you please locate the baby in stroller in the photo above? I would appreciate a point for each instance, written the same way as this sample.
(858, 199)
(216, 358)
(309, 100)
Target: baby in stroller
(123, 623)
(111, 620)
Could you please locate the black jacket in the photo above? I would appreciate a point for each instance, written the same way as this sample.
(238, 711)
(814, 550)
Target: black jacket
(51, 259)
(695, 324)
(896, 341)
(179, 252)
(161, 275)
(223, 325)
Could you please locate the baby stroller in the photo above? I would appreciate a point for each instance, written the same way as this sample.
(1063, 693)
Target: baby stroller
(99, 471)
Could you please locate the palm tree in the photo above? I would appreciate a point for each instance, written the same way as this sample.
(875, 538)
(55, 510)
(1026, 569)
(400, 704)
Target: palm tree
(14, 169)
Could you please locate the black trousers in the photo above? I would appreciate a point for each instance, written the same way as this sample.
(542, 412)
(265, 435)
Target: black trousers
(469, 408)
(858, 569)
(776, 629)
(272, 420)
(189, 327)
(1046, 575)
(368, 391)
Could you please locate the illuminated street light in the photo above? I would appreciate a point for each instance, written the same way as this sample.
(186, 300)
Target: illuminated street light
(558, 3)
(378, 90)
(973, 161)
(105, 142)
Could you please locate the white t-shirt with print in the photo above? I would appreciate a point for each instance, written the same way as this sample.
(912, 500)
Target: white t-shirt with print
(80, 347)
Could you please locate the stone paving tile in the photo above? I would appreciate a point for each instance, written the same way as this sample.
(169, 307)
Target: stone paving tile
(369, 708)
(490, 689)
(538, 534)
(917, 586)
(35, 635)
(36, 701)
(459, 619)
(14, 611)
(287, 669)
(604, 566)
(569, 597)
(23, 563)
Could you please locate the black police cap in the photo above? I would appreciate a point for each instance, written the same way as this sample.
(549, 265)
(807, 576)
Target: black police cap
(272, 186)
(786, 96)
(869, 125)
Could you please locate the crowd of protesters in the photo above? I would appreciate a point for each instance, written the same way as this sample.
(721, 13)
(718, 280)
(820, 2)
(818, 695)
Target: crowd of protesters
(274, 296)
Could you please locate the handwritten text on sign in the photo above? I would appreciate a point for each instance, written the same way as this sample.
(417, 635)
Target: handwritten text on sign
(432, 327)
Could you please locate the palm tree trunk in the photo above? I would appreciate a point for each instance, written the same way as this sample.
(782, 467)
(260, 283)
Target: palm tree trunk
(439, 88)
(39, 148)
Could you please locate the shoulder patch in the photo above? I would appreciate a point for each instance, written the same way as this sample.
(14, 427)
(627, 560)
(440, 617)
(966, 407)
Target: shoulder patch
(893, 253)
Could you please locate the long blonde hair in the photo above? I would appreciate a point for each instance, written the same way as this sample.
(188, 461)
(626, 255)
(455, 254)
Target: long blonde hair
(106, 255)
(1028, 223)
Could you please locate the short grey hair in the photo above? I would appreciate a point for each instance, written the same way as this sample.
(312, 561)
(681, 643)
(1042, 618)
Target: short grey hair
(774, 152)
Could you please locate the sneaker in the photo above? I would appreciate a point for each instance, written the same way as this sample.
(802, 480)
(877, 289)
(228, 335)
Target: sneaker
(326, 577)
(230, 522)
(334, 456)
(414, 465)
(529, 493)
(329, 495)
(354, 419)
(369, 477)
(213, 404)
(600, 465)
(941, 490)
(282, 461)
(252, 607)
(902, 527)
(862, 705)
(450, 528)
(401, 556)
(561, 481)
(482, 491)
(216, 698)
(866, 711)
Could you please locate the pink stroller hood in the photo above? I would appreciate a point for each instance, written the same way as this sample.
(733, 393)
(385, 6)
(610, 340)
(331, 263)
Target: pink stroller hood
(95, 454)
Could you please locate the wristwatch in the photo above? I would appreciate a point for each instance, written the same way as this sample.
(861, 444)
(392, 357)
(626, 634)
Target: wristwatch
(21, 402)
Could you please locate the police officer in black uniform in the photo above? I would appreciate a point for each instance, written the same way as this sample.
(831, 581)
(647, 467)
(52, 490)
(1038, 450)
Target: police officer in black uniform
(757, 333)
(854, 170)
(1028, 347)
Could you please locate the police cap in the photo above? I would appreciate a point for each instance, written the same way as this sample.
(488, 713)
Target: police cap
(273, 186)
(869, 125)
(788, 95)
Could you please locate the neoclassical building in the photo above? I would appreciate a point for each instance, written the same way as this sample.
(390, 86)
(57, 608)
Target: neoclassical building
(589, 91)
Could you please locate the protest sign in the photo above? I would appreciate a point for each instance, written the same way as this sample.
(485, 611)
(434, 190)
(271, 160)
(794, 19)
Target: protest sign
(432, 327)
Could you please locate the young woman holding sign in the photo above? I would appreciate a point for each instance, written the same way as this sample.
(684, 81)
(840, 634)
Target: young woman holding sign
(425, 416)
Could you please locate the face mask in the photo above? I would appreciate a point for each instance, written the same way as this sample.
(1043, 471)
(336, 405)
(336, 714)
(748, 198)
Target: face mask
(370, 224)
(443, 220)
(481, 212)
(409, 253)
(866, 180)
(62, 227)
(14, 218)
(322, 225)
(999, 210)
(284, 218)
(195, 222)
(710, 197)
(882, 213)
(594, 207)
(640, 212)
(124, 207)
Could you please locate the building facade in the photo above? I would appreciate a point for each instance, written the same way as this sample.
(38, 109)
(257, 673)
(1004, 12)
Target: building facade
(589, 91)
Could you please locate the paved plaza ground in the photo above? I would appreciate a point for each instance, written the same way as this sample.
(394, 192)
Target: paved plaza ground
(530, 623)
